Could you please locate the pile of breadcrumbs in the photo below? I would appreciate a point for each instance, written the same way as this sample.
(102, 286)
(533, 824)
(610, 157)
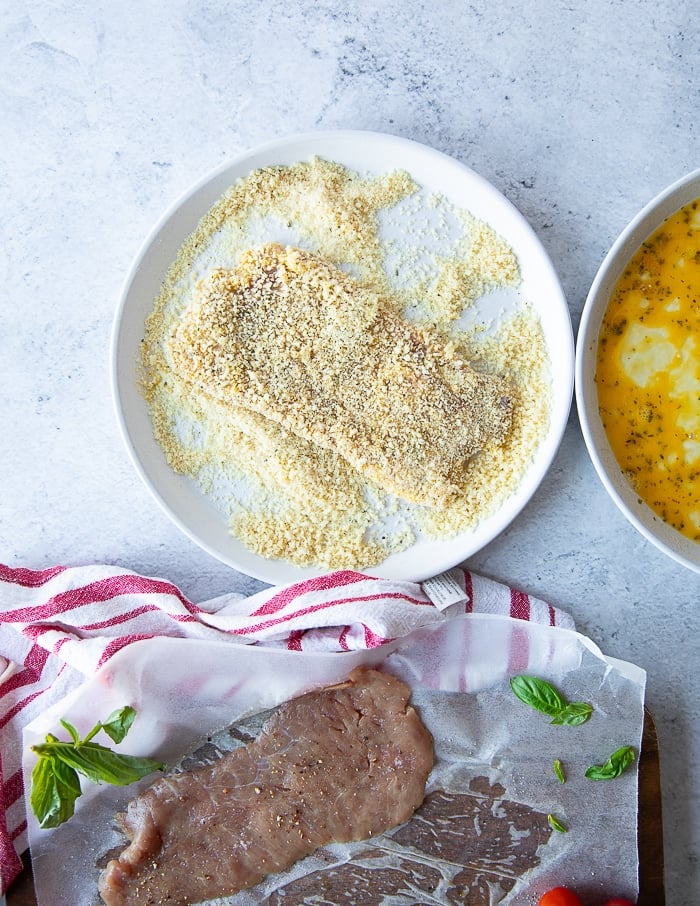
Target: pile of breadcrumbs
(283, 495)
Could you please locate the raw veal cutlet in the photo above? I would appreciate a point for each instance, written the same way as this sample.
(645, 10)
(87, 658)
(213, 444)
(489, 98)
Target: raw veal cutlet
(344, 763)
(293, 337)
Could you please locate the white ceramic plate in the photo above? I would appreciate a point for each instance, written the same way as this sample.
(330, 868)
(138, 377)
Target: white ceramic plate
(642, 517)
(364, 152)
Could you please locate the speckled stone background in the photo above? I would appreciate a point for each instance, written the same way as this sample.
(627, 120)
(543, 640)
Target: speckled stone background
(579, 112)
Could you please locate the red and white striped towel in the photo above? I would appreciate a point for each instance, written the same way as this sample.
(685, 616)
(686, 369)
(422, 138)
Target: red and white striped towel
(59, 625)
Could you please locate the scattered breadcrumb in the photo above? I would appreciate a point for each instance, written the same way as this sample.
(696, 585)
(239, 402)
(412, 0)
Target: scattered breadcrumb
(285, 493)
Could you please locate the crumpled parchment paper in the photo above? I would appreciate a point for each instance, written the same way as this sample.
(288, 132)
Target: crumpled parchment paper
(482, 835)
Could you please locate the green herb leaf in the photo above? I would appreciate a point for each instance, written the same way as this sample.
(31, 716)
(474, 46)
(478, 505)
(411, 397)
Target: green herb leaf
(55, 787)
(618, 762)
(55, 780)
(556, 824)
(538, 693)
(559, 771)
(573, 714)
(119, 723)
(543, 696)
(102, 765)
(75, 736)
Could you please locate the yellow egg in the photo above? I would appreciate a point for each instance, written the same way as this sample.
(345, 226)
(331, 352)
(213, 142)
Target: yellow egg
(648, 370)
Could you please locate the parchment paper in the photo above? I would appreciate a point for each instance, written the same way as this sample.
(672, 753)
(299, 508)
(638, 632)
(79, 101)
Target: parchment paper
(494, 754)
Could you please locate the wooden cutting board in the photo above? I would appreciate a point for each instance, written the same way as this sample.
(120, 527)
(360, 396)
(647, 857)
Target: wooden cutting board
(650, 832)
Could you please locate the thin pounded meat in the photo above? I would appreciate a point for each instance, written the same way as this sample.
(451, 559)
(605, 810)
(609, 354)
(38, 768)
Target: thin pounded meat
(296, 339)
(344, 763)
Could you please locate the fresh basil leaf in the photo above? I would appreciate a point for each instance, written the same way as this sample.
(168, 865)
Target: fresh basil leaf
(538, 693)
(75, 736)
(618, 762)
(556, 824)
(102, 765)
(573, 714)
(119, 723)
(55, 787)
(55, 780)
(559, 771)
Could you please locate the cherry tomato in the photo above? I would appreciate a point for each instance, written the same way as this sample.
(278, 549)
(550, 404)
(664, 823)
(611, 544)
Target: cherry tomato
(618, 901)
(560, 896)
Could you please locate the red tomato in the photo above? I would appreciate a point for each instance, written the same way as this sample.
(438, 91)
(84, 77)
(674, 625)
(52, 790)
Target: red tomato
(560, 896)
(618, 901)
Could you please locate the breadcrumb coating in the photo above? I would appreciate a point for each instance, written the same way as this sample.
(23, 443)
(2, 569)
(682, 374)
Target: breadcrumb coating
(286, 496)
(294, 338)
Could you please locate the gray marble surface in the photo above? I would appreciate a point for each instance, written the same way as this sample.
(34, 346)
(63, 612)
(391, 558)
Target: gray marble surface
(579, 112)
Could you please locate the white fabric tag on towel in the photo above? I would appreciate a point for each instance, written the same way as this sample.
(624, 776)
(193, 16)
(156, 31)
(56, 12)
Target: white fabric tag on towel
(444, 590)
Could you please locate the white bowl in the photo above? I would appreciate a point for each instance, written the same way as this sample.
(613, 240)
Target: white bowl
(642, 517)
(365, 152)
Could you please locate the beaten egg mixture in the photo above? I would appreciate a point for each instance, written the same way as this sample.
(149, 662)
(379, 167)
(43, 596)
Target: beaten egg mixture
(648, 371)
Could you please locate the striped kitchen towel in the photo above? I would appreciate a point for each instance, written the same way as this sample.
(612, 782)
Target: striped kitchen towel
(59, 625)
